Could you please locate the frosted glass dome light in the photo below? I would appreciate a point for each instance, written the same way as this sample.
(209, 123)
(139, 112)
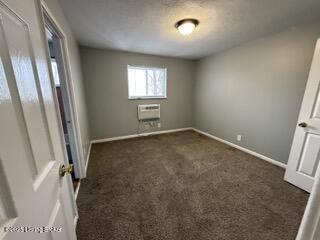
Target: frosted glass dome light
(186, 26)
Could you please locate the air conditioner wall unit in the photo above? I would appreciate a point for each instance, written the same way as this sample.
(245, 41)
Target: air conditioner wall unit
(148, 112)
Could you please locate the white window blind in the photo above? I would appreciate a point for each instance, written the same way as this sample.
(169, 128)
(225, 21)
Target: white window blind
(147, 82)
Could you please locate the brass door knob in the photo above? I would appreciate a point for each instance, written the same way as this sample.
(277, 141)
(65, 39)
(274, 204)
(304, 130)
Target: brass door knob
(303, 124)
(63, 170)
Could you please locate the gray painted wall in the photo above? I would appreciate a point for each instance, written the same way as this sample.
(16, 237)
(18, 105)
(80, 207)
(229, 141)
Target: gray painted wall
(111, 114)
(256, 90)
(76, 76)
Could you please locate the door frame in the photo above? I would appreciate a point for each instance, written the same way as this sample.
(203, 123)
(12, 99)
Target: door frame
(42, 10)
(48, 16)
(58, 52)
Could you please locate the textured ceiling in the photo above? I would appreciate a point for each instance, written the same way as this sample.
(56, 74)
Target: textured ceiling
(147, 26)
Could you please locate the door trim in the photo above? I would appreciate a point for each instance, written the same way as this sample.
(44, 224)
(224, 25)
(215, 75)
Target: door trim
(47, 15)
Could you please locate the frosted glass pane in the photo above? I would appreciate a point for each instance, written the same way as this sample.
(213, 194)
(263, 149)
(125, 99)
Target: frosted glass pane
(140, 83)
(156, 82)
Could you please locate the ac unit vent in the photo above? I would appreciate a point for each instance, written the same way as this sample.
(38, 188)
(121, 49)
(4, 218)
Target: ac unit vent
(152, 107)
(148, 112)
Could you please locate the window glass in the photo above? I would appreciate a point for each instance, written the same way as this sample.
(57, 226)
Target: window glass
(145, 82)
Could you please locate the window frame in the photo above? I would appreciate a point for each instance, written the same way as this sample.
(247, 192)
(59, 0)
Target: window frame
(147, 68)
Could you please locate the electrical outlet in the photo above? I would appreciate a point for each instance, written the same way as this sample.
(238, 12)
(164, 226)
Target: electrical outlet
(239, 137)
(159, 125)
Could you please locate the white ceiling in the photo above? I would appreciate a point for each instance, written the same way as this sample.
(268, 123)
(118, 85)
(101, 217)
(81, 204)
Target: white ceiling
(147, 26)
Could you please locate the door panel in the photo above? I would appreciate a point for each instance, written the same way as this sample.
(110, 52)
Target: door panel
(316, 109)
(7, 211)
(26, 82)
(32, 193)
(309, 159)
(305, 151)
(58, 218)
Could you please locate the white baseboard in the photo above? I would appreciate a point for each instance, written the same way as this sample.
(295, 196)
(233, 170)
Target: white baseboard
(88, 157)
(76, 192)
(258, 155)
(139, 135)
(75, 221)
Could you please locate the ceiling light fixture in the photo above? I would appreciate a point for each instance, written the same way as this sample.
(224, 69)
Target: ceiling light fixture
(186, 26)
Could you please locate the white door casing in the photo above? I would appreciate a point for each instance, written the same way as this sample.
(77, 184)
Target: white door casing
(31, 148)
(304, 157)
(66, 106)
(66, 91)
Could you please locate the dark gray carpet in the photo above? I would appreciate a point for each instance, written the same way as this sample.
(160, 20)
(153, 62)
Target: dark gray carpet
(184, 186)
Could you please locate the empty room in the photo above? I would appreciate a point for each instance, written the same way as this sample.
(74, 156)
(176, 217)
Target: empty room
(160, 120)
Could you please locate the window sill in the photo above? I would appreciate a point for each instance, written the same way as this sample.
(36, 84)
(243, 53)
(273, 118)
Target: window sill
(147, 98)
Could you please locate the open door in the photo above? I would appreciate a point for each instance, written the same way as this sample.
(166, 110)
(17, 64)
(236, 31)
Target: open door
(36, 200)
(305, 151)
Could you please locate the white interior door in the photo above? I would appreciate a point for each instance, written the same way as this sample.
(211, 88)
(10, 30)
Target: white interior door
(32, 194)
(305, 151)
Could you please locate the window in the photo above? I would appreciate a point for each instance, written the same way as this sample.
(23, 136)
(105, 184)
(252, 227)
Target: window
(147, 82)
